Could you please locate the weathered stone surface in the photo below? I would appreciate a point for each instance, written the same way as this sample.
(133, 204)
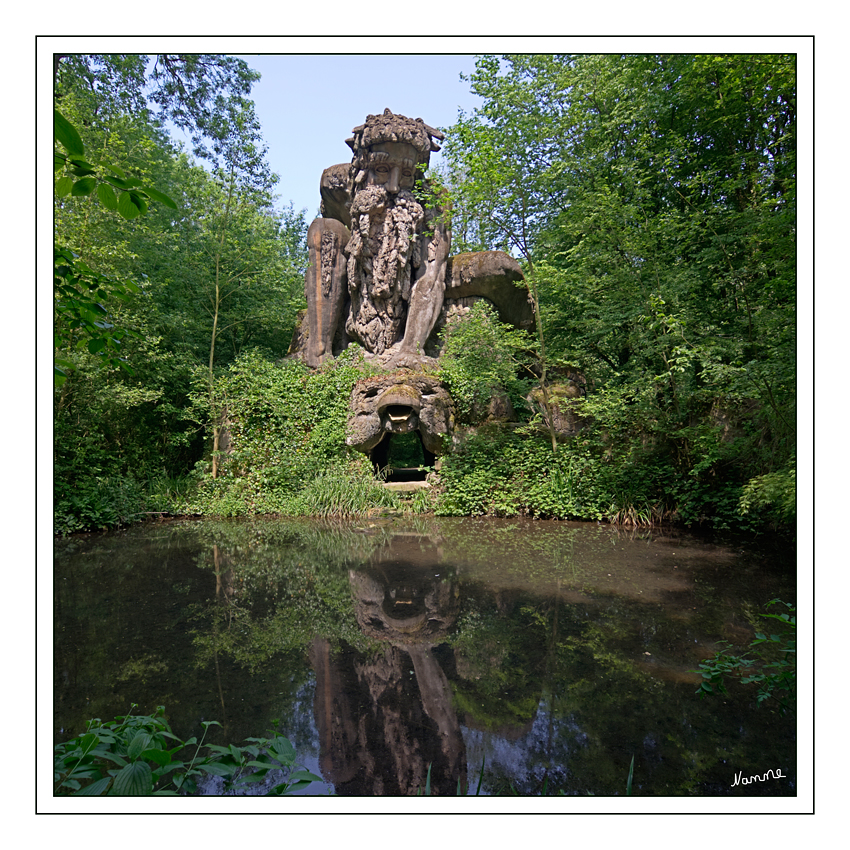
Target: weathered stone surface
(383, 253)
(377, 255)
(335, 190)
(398, 404)
(499, 409)
(380, 275)
(379, 271)
(566, 419)
(301, 332)
(324, 287)
(493, 275)
(406, 486)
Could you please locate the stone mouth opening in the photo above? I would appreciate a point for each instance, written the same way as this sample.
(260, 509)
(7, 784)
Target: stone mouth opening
(406, 590)
(403, 609)
(398, 412)
(402, 457)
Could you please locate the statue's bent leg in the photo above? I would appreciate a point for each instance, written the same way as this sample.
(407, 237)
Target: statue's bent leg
(426, 297)
(325, 286)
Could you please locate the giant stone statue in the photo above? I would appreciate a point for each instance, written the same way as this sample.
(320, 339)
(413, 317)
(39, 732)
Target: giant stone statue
(377, 255)
(380, 275)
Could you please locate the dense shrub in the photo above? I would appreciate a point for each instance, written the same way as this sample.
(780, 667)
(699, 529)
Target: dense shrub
(502, 472)
(613, 470)
(286, 430)
(482, 356)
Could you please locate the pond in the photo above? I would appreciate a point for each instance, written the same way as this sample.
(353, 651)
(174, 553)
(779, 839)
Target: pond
(522, 655)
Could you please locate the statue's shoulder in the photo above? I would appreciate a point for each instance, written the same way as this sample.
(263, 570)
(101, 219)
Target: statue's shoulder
(335, 189)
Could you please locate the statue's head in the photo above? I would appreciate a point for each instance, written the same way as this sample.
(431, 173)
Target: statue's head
(391, 151)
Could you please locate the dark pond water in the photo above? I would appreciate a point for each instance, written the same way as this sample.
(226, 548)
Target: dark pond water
(550, 653)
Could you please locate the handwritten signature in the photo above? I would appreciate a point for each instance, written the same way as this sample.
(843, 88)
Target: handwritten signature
(771, 774)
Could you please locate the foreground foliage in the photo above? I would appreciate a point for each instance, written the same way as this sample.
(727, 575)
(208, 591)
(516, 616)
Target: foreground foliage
(139, 755)
(770, 662)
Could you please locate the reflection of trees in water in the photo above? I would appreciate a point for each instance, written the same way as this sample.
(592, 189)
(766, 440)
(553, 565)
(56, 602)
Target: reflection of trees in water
(550, 683)
(602, 700)
(383, 706)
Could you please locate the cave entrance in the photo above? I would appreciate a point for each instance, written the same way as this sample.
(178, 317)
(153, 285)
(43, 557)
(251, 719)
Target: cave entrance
(398, 457)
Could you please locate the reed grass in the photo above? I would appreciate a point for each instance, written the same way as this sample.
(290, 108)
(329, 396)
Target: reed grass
(344, 493)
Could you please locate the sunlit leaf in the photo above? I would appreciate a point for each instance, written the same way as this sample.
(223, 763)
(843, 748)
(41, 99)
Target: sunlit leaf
(302, 776)
(64, 186)
(156, 195)
(139, 201)
(107, 196)
(85, 186)
(126, 207)
(66, 134)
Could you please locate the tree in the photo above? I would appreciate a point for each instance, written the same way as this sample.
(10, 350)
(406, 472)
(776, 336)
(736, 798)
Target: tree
(653, 201)
(189, 89)
(128, 424)
(506, 173)
(238, 234)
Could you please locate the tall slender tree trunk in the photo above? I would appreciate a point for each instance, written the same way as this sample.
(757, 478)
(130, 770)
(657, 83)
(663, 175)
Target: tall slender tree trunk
(548, 413)
(215, 413)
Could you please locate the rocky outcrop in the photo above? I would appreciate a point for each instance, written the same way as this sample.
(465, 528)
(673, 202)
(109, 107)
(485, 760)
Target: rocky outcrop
(493, 275)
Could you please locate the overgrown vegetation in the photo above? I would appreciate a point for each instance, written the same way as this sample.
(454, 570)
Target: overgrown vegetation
(652, 200)
(286, 425)
(483, 357)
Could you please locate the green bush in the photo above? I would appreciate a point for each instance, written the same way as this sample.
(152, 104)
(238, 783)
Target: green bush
(482, 356)
(286, 426)
(501, 472)
(774, 494)
(96, 504)
(139, 755)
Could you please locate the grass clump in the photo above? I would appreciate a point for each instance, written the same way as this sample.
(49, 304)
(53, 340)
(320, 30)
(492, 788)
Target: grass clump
(344, 491)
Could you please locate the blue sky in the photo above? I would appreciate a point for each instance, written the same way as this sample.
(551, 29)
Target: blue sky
(308, 105)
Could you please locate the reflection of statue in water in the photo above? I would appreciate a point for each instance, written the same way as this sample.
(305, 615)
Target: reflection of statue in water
(384, 718)
(378, 255)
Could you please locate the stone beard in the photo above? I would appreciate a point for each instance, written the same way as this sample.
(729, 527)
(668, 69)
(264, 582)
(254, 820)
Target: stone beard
(383, 253)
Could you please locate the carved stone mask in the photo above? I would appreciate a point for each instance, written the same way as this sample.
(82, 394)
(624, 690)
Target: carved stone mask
(399, 405)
